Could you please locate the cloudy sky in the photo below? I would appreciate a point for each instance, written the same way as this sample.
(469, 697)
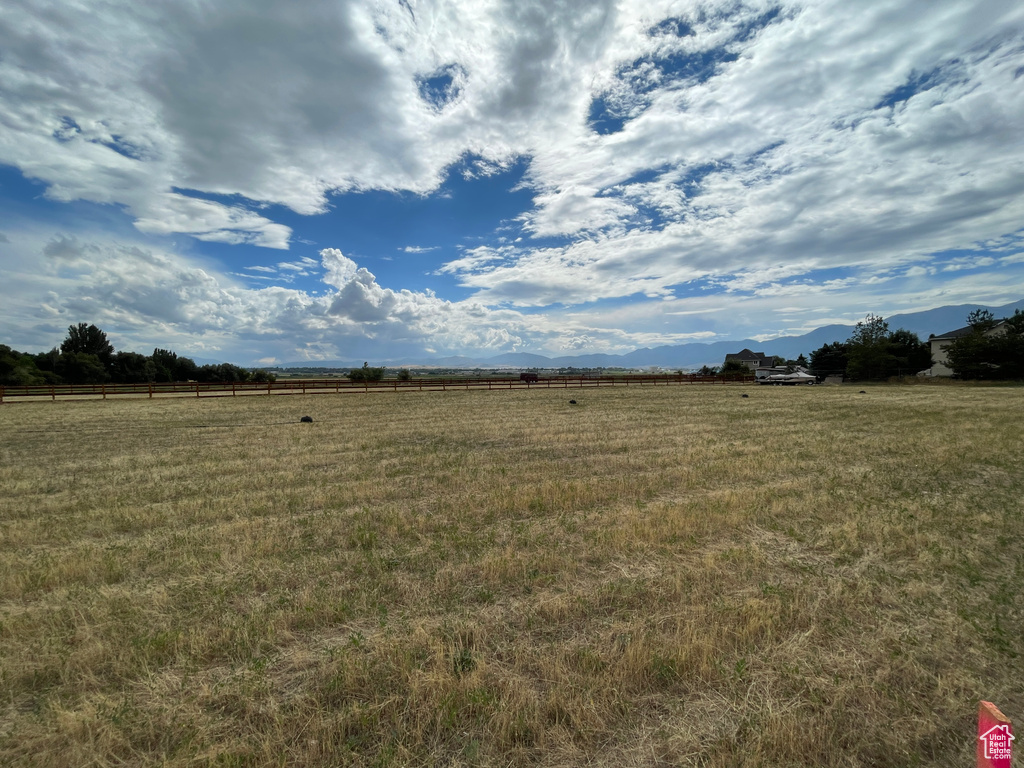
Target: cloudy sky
(258, 181)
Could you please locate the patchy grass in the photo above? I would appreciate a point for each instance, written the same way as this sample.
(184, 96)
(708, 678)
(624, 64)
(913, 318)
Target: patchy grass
(655, 576)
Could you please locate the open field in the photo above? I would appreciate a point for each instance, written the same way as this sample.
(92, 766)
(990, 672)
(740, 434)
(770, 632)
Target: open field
(662, 576)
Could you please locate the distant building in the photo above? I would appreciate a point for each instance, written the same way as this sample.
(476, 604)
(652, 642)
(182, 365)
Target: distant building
(940, 343)
(753, 360)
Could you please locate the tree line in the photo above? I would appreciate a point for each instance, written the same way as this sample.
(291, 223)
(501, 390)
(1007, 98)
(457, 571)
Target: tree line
(873, 353)
(86, 356)
(991, 349)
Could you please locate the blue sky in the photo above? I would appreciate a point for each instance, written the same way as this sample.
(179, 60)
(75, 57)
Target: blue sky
(262, 182)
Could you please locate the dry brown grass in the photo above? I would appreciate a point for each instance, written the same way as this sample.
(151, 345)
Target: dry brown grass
(665, 576)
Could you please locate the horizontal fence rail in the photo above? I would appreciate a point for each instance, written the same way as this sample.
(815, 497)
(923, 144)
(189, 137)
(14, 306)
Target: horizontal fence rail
(339, 386)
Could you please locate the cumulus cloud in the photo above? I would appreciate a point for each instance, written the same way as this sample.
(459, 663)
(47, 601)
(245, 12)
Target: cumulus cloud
(139, 294)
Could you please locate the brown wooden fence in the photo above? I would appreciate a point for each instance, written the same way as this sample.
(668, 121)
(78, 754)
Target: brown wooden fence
(338, 386)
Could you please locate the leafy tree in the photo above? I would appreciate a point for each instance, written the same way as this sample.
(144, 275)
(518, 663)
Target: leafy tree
(829, 359)
(872, 352)
(221, 373)
(185, 369)
(81, 368)
(869, 356)
(261, 376)
(801, 361)
(170, 367)
(734, 368)
(708, 370)
(909, 353)
(981, 320)
(47, 363)
(404, 375)
(163, 362)
(875, 352)
(132, 368)
(18, 368)
(90, 340)
(366, 374)
(1015, 324)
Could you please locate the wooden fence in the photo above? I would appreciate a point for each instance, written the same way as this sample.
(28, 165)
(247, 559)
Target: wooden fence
(339, 386)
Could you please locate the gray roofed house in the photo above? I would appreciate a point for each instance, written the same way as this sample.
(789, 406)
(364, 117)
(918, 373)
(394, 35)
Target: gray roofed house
(753, 360)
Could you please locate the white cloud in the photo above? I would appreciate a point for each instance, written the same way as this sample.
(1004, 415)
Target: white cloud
(755, 157)
(145, 297)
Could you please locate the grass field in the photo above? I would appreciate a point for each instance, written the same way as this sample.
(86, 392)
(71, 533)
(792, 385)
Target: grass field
(657, 576)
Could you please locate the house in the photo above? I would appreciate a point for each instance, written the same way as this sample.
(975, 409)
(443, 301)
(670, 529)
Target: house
(940, 343)
(753, 360)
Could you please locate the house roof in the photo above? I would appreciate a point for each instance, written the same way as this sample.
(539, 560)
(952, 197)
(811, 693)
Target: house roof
(961, 332)
(746, 354)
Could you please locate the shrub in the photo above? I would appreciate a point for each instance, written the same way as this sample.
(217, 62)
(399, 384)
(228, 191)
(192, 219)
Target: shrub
(366, 374)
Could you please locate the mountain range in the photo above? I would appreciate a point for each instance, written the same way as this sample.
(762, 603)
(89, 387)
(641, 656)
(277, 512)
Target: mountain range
(694, 355)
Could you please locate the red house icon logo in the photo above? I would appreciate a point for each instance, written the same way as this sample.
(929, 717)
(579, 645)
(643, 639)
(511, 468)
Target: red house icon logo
(996, 741)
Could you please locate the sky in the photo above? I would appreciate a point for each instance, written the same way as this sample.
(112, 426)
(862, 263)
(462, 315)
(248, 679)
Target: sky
(261, 182)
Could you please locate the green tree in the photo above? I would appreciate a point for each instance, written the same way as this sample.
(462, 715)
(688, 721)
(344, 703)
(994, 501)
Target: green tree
(1015, 324)
(185, 369)
(366, 374)
(18, 368)
(81, 368)
(170, 367)
(132, 368)
(163, 363)
(734, 368)
(404, 375)
(981, 320)
(909, 353)
(47, 363)
(221, 373)
(869, 356)
(90, 340)
(829, 359)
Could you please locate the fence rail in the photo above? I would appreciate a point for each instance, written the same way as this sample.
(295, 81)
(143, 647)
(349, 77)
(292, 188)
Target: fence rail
(339, 386)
